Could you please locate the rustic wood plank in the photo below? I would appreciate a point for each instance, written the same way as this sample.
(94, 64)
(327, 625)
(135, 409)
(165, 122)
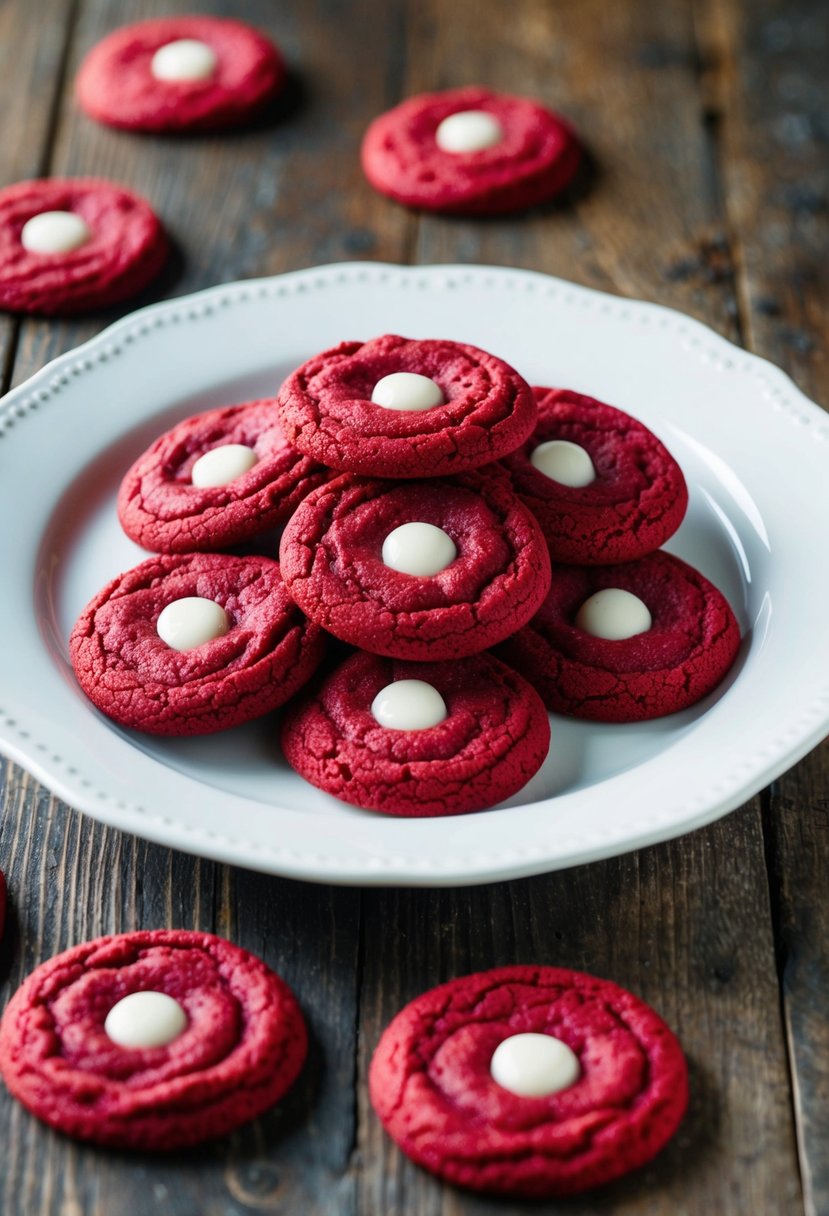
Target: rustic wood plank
(71, 879)
(647, 220)
(284, 194)
(769, 95)
(628, 78)
(798, 834)
(256, 202)
(684, 925)
(34, 36)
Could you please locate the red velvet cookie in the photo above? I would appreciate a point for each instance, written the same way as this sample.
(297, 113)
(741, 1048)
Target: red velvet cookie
(481, 408)
(689, 647)
(601, 1098)
(351, 558)
(637, 496)
(214, 1039)
(178, 74)
(161, 508)
(213, 680)
(418, 739)
(470, 151)
(69, 245)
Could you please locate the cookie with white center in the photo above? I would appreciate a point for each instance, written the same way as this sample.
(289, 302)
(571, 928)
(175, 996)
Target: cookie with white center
(422, 570)
(418, 739)
(179, 74)
(152, 1040)
(532, 1081)
(405, 408)
(192, 644)
(69, 245)
(602, 486)
(470, 151)
(627, 643)
(214, 480)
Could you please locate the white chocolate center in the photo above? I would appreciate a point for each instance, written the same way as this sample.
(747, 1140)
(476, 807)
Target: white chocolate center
(419, 549)
(184, 59)
(407, 391)
(565, 462)
(534, 1065)
(54, 232)
(613, 614)
(409, 705)
(191, 621)
(469, 131)
(222, 464)
(145, 1019)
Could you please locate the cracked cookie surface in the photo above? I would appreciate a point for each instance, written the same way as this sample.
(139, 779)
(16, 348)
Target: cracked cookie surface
(431, 1085)
(493, 739)
(124, 250)
(637, 500)
(161, 509)
(131, 675)
(533, 161)
(331, 560)
(116, 84)
(241, 1048)
(691, 644)
(326, 410)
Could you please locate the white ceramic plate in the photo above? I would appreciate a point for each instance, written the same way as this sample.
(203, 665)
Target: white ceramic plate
(753, 449)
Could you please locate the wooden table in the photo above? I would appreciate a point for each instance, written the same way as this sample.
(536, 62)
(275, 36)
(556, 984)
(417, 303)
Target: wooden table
(708, 122)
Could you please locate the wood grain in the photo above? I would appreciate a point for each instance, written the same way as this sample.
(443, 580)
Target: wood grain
(684, 925)
(284, 194)
(769, 94)
(684, 204)
(257, 202)
(646, 219)
(72, 879)
(34, 39)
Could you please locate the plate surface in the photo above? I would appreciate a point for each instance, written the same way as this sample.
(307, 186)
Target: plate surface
(753, 449)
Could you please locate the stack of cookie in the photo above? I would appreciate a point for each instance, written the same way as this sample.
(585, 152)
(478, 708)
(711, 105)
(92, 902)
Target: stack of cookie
(424, 488)
(627, 632)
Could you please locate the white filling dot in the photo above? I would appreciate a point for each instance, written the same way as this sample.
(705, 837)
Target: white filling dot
(222, 464)
(613, 614)
(184, 59)
(191, 621)
(534, 1065)
(469, 131)
(54, 232)
(565, 462)
(145, 1019)
(409, 705)
(407, 391)
(418, 548)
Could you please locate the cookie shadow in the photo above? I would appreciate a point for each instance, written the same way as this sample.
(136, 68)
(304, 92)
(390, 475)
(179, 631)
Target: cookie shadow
(159, 288)
(254, 1157)
(9, 944)
(665, 1176)
(584, 181)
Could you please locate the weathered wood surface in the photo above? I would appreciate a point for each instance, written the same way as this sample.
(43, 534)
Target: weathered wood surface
(707, 124)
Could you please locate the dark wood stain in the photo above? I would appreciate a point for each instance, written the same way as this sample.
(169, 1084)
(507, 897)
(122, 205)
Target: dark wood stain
(706, 126)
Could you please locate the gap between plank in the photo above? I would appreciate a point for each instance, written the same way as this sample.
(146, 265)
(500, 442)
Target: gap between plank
(43, 164)
(774, 876)
(715, 56)
(354, 1147)
(712, 56)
